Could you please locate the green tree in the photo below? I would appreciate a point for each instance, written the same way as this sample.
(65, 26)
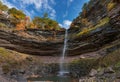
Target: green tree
(46, 23)
(18, 14)
(84, 6)
(3, 7)
(38, 22)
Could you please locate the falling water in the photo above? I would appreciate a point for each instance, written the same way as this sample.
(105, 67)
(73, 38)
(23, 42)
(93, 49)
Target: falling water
(63, 69)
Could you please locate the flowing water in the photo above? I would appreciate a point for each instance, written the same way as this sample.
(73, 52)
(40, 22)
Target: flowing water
(63, 77)
(63, 68)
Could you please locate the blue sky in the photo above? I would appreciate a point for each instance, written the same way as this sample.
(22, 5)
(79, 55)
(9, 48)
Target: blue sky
(63, 11)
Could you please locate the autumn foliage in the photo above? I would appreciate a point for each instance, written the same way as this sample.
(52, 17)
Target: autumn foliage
(18, 14)
(20, 25)
(23, 22)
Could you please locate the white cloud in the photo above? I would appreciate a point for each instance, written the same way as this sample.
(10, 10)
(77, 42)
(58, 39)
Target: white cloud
(68, 5)
(14, 1)
(71, 0)
(60, 25)
(27, 13)
(8, 4)
(53, 14)
(42, 5)
(32, 12)
(66, 24)
(53, 2)
(37, 3)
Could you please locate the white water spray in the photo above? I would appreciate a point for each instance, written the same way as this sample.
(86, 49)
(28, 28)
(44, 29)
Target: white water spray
(63, 69)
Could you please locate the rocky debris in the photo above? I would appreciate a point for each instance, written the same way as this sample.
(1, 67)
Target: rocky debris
(3, 79)
(109, 70)
(118, 75)
(103, 72)
(100, 72)
(93, 72)
(18, 75)
(101, 75)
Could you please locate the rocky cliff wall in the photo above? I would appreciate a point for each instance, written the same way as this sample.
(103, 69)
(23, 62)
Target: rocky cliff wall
(97, 25)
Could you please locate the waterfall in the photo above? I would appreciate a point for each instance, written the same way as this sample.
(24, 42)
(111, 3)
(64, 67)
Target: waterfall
(63, 69)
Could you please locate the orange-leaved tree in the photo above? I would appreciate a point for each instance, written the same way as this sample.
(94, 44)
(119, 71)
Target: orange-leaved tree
(21, 25)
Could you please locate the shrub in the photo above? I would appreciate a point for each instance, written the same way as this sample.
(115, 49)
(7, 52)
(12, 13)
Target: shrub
(2, 25)
(18, 14)
(85, 6)
(3, 52)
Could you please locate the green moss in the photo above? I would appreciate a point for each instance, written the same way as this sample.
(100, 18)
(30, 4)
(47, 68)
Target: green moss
(4, 52)
(2, 25)
(100, 24)
(110, 6)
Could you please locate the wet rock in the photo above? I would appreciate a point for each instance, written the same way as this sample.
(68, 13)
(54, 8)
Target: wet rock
(100, 72)
(109, 70)
(93, 72)
(14, 73)
(22, 71)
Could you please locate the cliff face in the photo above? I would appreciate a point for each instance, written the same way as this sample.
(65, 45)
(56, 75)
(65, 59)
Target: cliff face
(30, 40)
(97, 25)
(34, 42)
(96, 30)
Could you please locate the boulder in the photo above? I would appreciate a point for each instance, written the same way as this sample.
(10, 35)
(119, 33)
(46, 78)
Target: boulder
(109, 70)
(93, 72)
